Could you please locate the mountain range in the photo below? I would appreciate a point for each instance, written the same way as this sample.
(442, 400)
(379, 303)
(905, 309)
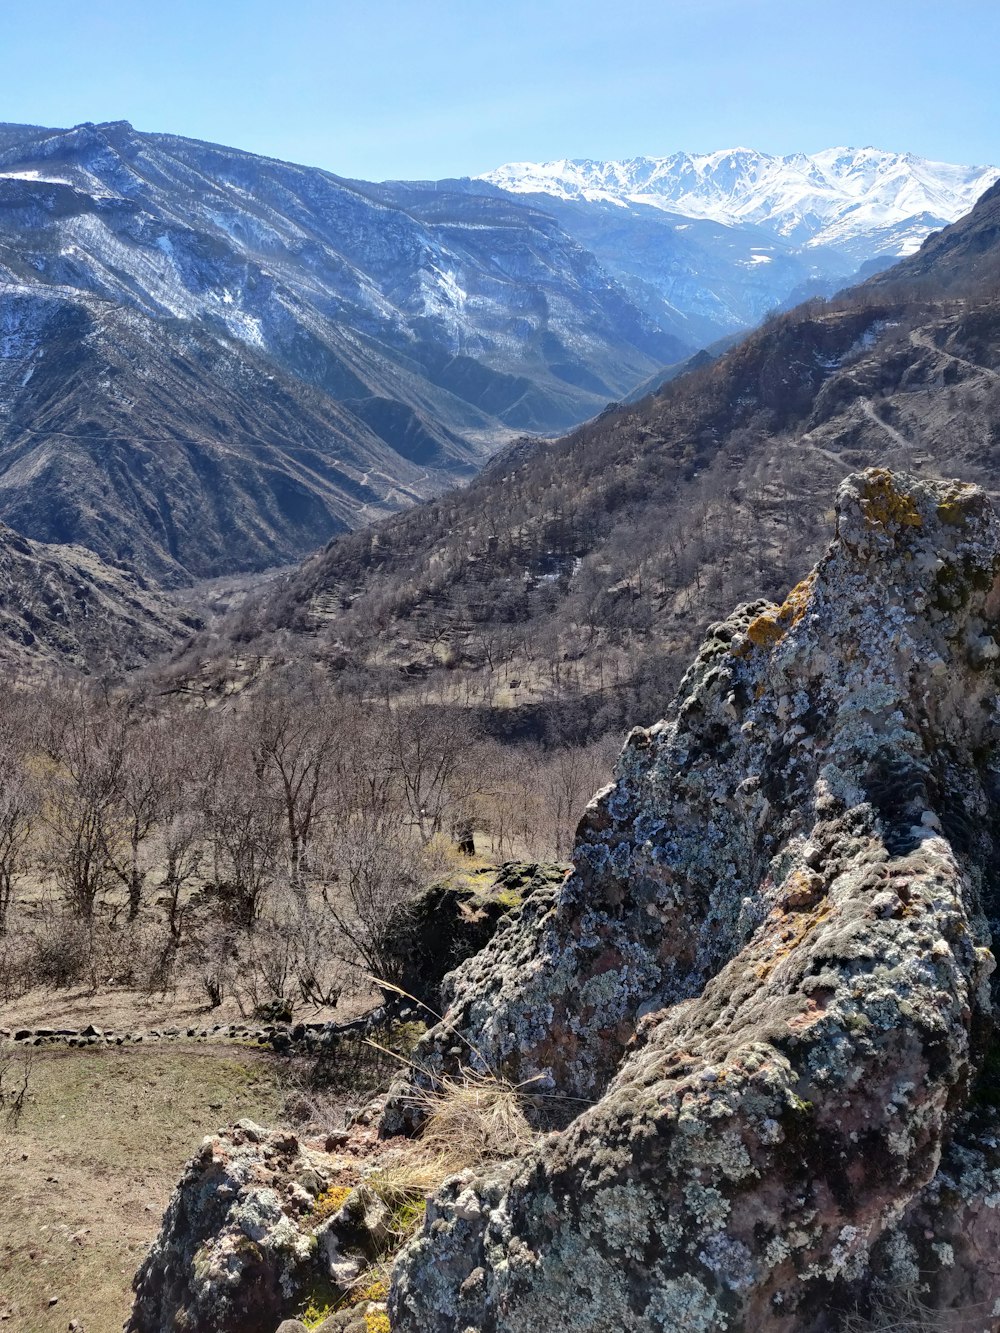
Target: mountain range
(866, 200)
(232, 358)
(213, 362)
(725, 237)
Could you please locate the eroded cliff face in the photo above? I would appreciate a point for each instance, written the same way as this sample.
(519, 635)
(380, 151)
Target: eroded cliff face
(760, 1007)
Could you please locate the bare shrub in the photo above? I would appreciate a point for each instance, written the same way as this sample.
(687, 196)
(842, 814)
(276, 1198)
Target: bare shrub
(215, 959)
(61, 953)
(132, 955)
(15, 1083)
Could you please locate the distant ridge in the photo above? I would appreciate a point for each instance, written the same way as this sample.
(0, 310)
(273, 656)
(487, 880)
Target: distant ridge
(840, 197)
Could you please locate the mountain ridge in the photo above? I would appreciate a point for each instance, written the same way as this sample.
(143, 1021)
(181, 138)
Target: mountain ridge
(828, 198)
(564, 584)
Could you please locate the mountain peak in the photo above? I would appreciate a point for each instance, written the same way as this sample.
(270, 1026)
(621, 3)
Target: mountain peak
(828, 198)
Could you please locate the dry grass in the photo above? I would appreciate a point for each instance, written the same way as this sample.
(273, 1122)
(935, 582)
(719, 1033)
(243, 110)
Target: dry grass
(88, 1173)
(904, 1311)
(474, 1119)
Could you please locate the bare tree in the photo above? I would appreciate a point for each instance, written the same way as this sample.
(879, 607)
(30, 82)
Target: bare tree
(20, 798)
(432, 755)
(182, 826)
(138, 797)
(243, 820)
(86, 762)
(292, 733)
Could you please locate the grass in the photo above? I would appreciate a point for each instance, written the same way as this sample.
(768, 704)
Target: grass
(86, 1176)
(474, 1119)
(904, 1311)
(471, 1120)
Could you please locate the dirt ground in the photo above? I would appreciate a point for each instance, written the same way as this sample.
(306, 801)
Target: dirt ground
(132, 1011)
(87, 1174)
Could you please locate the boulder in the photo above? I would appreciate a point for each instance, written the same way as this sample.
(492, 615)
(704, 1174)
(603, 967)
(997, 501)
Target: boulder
(758, 1017)
(260, 1227)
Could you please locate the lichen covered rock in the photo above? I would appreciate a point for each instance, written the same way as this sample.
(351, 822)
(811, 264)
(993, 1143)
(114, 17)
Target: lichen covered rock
(259, 1227)
(449, 922)
(760, 1008)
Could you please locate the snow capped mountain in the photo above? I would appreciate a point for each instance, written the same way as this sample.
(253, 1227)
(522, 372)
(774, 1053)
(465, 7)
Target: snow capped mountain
(863, 202)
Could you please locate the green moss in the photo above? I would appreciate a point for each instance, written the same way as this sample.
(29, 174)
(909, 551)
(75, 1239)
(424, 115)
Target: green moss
(408, 1215)
(402, 1038)
(366, 1289)
(951, 512)
(509, 899)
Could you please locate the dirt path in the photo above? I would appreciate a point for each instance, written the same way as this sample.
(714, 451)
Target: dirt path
(919, 338)
(896, 436)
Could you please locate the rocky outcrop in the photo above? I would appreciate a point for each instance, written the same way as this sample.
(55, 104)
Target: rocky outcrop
(263, 1224)
(449, 922)
(759, 1012)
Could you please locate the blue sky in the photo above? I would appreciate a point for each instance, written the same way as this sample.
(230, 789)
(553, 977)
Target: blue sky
(431, 88)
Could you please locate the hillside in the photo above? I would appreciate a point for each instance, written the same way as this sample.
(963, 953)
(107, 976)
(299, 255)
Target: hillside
(211, 362)
(62, 607)
(566, 584)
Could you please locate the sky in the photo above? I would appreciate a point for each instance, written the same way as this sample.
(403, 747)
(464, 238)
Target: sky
(424, 89)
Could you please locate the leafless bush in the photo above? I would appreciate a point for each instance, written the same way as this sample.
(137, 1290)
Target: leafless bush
(215, 960)
(132, 955)
(16, 977)
(61, 953)
(15, 1083)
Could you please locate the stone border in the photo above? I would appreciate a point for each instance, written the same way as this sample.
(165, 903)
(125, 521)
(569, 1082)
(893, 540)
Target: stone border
(284, 1038)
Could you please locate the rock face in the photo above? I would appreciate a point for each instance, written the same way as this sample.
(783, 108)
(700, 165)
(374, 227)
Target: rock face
(760, 1008)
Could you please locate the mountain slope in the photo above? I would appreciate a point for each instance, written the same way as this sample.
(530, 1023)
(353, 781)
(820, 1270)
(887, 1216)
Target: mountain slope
(340, 288)
(180, 452)
(571, 577)
(61, 606)
(964, 257)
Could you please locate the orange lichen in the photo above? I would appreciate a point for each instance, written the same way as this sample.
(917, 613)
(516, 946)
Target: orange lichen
(884, 505)
(770, 627)
(329, 1202)
(787, 931)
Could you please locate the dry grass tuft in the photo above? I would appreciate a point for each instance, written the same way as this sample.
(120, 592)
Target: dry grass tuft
(471, 1120)
(474, 1119)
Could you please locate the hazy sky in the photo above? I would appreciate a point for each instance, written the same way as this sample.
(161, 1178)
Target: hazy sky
(431, 88)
